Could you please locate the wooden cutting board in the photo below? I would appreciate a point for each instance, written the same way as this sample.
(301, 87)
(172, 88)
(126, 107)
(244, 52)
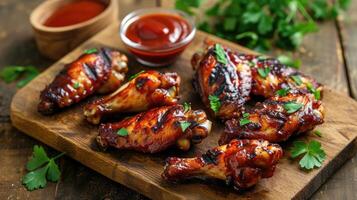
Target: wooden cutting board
(67, 131)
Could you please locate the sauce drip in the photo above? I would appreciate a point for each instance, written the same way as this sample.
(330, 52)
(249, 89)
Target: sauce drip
(158, 31)
(75, 12)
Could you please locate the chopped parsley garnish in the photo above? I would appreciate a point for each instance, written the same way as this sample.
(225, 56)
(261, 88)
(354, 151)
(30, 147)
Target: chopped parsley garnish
(136, 75)
(317, 133)
(283, 92)
(221, 55)
(214, 103)
(263, 72)
(122, 132)
(297, 79)
(42, 168)
(292, 107)
(12, 73)
(89, 51)
(313, 155)
(313, 90)
(186, 107)
(184, 125)
(76, 85)
(245, 120)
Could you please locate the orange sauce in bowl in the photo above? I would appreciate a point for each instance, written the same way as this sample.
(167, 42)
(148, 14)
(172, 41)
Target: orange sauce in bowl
(75, 12)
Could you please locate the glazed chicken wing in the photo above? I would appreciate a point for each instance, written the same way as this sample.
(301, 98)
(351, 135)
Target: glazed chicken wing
(230, 83)
(241, 163)
(156, 130)
(147, 90)
(101, 71)
(277, 118)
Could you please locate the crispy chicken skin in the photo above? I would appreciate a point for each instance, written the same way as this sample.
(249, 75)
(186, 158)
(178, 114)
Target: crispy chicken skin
(231, 83)
(269, 120)
(156, 130)
(102, 71)
(149, 89)
(241, 163)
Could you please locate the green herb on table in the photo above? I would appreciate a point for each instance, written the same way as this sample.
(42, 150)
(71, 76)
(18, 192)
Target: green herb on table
(261, 25)
(244, 120)
(186, 107)
(215, 103)
(184, 125)
(288, 61)
(123, 132)
(221, 55)
(90, 51)
(312, 154)
(263, 72)
(297, 79)
(282, 92)
(42, 168)
(292, 107)
(24, 73)
(318, 133)
(136, 75)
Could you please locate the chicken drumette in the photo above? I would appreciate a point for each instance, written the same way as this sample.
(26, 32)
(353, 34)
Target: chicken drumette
(147, 90)
(241, 163)
(101, 71)
(156, 130)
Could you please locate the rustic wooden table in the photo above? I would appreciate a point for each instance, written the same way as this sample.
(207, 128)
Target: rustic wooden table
(328, 55)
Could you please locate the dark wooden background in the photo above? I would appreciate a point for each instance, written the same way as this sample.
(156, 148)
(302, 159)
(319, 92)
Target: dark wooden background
(329, 55)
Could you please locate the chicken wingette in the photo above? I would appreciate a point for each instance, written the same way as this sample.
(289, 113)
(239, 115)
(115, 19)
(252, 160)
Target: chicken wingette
(100, 70)
(147, 90)
(241, 163)
(156, 130)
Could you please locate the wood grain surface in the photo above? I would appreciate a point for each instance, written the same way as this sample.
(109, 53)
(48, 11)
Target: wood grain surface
(69, 132)
(79, 182)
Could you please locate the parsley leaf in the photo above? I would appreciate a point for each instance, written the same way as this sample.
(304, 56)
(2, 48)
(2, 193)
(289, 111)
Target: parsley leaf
(297, 79)
(76, 85)
(318, 133)
(292, 107)
(313, 155)
(89, 51)
(184, 125)
(41, 167)
(136, 75)
(122, 132)
(186, 107)
(288, 61)
(245, 120)
(263, 72)
(11, 73)
(282, 92)
(215, 103)
(221, 55)
(316, 93)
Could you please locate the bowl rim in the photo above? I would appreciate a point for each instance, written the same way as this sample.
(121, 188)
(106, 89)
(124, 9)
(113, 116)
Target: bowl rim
(133, 16)
(39, 26)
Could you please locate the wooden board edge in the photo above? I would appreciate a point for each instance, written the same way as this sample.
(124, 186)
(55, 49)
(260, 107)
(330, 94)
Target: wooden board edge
(64, 145)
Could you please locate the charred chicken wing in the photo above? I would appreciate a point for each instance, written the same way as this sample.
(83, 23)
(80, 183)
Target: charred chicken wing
(241, 163)
(277, 118)
(156, 130)
(230, 83)
(147, 90)
(101, 71)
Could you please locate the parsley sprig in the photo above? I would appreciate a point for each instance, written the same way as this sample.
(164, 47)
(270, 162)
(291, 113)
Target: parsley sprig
(12, 73)
(312, 154)
(263, 72)
(221, 55)
(123, 132)
(292, 107)
(244, 120)
(215, 103)
(282, 92)
(90, 51)
(42, 168)
(184, 125)
(186, 107)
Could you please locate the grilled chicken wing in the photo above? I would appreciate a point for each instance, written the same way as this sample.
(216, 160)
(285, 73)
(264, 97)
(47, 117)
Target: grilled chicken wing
(277, 118)
(230, 83)
(241, 163)
(149, 89)
(102, 71)
(156, 130)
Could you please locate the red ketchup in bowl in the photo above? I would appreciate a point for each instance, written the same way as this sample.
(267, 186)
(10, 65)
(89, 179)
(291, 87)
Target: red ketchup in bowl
(158, 38)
